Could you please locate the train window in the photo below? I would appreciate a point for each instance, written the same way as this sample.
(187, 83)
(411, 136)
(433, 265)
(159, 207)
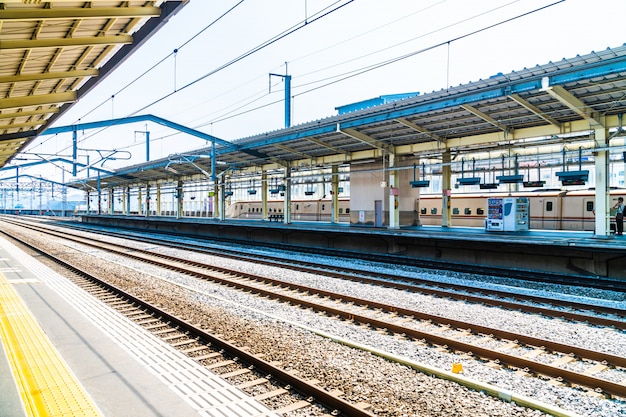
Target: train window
(423, 210)
(480, 211)
(589, 205)
(297, 206)
(467, 211)
(433, 210)
(455, 210)
(347, 211)
(340, 210)
(549, 206)
(249, 208)
(323, 206)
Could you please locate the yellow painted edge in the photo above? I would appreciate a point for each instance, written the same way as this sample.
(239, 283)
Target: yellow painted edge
(46, 384)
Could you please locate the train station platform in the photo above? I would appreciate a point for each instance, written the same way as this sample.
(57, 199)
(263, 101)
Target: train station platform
(578, 254)
(63, 353)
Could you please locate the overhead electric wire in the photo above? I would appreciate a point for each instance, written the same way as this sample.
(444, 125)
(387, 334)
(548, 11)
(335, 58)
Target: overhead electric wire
(256, 49)
(344, 76)
(143, 74)
(319, 15)
(372, 67)
(387, 48)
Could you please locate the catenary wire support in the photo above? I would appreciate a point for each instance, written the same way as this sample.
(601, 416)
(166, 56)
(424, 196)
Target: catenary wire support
(287, 79)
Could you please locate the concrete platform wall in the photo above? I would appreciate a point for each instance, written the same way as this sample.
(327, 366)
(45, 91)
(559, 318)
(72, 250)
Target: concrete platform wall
(500, 250)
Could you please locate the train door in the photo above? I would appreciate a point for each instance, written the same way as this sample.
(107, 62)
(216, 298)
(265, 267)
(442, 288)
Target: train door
(378, 213)
(549, 213)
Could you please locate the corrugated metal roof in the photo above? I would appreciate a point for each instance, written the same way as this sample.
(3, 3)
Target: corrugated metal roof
(54, 52)
(584, 90)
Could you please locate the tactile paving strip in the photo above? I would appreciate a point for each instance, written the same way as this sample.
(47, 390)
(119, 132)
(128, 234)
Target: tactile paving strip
(204, 391)
(46, 384)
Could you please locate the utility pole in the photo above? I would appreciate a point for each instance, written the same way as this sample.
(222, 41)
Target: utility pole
(287, 79)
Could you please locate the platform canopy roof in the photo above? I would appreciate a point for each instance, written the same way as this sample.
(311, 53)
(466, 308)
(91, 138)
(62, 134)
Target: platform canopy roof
(554, 102)
(54, 52)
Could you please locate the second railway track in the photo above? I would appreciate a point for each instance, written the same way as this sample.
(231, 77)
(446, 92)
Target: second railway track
(514, 349)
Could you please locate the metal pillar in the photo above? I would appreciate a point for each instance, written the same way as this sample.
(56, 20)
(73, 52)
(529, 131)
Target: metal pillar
(139, 202)
(601, 203)
(446, 189)
(222, 198)
(158, 202)
(334, 194)
(148, 199)
(99, 195)
(111, 205)
(215, 200)
(264, 195)
(287, 201)
(127, 202)
(394, 191)
(179, 199)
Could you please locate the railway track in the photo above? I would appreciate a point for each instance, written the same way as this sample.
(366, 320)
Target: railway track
(393, 259)
(279, 389)
(575, 311)
(533, 355)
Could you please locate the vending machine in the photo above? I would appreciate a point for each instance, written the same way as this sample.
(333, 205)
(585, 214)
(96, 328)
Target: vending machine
(516, 214)
(494, 220)
(510, 214)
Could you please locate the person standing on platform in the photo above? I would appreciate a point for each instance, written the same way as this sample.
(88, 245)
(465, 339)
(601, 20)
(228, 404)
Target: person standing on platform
(619, 216)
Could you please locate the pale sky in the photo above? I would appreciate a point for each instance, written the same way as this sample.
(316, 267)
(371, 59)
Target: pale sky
(336, 47)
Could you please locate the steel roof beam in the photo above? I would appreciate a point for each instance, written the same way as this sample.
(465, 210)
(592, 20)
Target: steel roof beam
(534, 109)
(23, 125)
(48, 76)
(13, 115)
(62, 43)
(355, 134)
(325, 145)
(52, 161)
(37, 100)
(485, 117)
(72, 13)
(287, 149)
(420, 129)
(574, 103)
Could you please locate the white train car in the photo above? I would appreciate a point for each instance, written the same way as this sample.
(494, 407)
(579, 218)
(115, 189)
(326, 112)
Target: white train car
(302, 210)
(549, 209)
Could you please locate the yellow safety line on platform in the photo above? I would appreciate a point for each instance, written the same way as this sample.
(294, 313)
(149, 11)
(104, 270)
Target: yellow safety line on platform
(45, 382)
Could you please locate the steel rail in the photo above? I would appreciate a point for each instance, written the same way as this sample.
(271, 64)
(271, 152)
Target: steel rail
(512, 360)
(389, 280)
(308, 389)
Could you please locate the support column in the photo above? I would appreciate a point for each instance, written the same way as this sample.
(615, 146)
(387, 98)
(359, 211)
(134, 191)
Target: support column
(139, 202)
(111, 206)
(222, 200)
(334, 194)
(446, 189)
(287, 201)
(127, 201)
(601, 203)
(179, 199)
(264, 195)
(394, 194)
(158, 200)
(148, 198)
(215, 200)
